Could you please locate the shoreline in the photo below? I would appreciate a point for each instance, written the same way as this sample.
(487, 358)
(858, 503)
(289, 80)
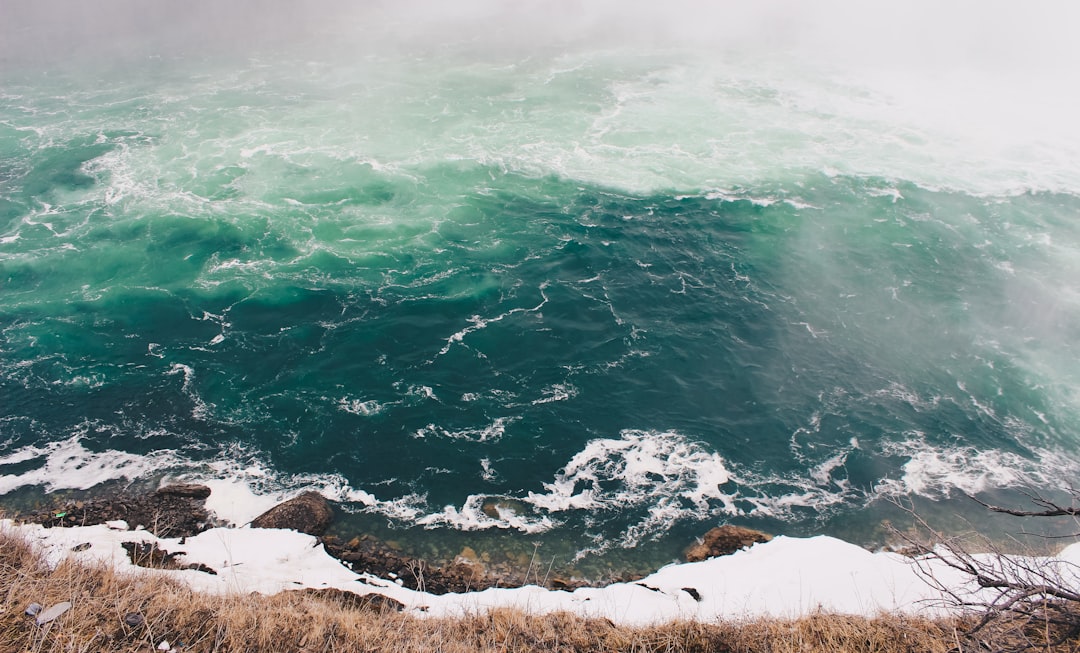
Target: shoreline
(787, 577)
(180, 511)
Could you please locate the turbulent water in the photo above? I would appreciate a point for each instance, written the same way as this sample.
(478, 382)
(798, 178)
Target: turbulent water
(603, 296)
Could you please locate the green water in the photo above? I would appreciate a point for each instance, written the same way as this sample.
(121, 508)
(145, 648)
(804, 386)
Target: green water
(596, 300)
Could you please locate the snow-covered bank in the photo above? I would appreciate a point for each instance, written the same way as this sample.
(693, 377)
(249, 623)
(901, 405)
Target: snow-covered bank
(787, 577)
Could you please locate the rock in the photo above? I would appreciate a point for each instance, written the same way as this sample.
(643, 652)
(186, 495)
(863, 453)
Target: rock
(498, 508)
(52, 612)
(468, 555)
(354, 601)
(134, 619)
(308, 513)
(724, 540)
(192, 490)
(33, 609)
(167, 515)
(559, 584)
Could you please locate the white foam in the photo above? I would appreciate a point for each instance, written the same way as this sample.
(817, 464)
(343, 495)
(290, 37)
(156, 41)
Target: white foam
(67, 464)
(479, 322)
(557, 392)
(360, 407)
(201, 409)
(242, 488)
(935, 472)
(654, 478)
(471, 516)
(490, 433)
(663, 472)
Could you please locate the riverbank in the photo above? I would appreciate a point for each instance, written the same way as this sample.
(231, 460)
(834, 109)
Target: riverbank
(163, 559)
(112, 610)
(731, 573)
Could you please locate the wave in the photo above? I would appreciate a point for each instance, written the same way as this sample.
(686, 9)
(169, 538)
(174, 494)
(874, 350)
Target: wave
(655, 479)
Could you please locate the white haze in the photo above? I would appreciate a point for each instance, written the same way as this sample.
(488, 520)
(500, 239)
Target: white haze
(1001, 72)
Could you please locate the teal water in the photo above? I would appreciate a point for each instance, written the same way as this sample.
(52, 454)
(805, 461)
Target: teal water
(606, 299)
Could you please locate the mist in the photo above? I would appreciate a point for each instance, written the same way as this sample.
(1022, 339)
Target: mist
(990, 36)
(996, 74)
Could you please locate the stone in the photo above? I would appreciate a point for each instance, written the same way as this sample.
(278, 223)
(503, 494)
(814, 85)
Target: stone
(353, 601)
(33, 609)
(192, 490)
(308, 513)
(496, 508)
(134, 619)
(468, 555)
(167, 515)
(52, 612)
(724, 540)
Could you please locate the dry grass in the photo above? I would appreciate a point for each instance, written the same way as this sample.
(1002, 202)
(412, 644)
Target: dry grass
(295, 621)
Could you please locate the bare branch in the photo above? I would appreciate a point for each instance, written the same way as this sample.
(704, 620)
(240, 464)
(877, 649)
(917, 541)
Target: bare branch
(1050, 508)
(1020, 603)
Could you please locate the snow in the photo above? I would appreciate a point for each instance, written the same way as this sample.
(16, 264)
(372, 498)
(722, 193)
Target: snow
(786, 577)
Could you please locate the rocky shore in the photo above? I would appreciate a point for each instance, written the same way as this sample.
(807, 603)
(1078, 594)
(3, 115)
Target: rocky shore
(179, 511)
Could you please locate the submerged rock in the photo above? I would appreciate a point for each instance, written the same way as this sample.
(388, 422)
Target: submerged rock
(192, 490)
(308, 513)
(500, 508)
(724, 540)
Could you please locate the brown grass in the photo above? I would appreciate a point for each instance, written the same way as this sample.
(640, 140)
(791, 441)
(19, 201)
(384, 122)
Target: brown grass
(297, 621)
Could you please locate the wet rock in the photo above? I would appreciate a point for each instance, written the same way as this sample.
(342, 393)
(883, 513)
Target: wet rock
(468, 556)
(560, 584)
(191, 490)
(164, 515)
(498, 508)
(150, 555)
(308, 513)
(724, 540)
(147, 554)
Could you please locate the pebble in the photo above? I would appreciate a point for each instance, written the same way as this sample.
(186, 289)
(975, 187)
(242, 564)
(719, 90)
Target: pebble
(134, 619)
(52, 612)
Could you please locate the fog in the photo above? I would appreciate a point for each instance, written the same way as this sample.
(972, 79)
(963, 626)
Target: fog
(990, 35)
(998, 73)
